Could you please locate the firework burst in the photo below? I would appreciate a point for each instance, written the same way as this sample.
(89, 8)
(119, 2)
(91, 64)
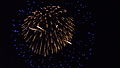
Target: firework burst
(48, 30)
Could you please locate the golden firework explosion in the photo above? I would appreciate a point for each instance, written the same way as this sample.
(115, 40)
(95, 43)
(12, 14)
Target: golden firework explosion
(48, 30)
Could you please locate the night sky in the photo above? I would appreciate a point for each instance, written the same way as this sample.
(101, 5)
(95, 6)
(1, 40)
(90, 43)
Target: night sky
(81, 54)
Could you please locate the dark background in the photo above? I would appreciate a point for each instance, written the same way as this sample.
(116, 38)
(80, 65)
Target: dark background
(7, 54)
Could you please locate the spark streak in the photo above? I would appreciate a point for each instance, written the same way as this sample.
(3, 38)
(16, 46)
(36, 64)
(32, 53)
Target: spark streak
(40, 28)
